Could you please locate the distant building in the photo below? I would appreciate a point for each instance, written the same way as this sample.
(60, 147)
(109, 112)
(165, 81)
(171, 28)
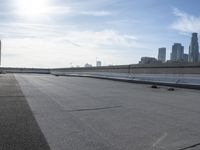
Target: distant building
(199, 57)
(149, 60)
(177, 52)
(98, 63)
(162, 54)
(88, 65)
(185, 57)
(194, 49)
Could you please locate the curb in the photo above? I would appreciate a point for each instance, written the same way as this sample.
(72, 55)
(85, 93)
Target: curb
(178, 85)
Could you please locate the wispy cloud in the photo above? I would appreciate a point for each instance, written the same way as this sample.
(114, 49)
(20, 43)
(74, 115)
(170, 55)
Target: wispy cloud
(54, 43)
(60, 10)
(68, 31)
(97, 13)
(185, 22)
(90, 38)
(103, 39)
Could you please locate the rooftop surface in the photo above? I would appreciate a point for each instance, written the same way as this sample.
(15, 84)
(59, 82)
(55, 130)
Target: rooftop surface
(92, 114)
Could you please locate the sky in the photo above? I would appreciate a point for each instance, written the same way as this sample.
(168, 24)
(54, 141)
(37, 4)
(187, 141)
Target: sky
(66, 33)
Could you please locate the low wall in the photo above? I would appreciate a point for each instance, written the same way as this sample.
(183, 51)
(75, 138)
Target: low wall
(139, 69)
(24, 70)
(132, 69)
(177, 75)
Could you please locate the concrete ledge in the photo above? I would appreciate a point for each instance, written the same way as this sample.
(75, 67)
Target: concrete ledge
(182, 68)
(4, 70)
(136, 80)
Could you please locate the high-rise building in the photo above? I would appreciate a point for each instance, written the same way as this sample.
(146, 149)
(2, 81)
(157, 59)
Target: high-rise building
(98, 63)
(149, 60)
(199, 57)
(177, 52)
(162, 54)
(185, 57)
(88, 65)
(194, 49)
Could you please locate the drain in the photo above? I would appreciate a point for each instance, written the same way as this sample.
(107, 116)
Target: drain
(154, 87)
(171, 89)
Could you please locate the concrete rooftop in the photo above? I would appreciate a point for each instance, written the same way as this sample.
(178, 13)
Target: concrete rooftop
(60, 113)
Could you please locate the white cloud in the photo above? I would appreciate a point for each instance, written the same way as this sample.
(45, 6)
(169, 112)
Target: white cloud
(102, 40)
(53, 35)
(97, 13)
(38, 45)
(60, 9)
(185, 22)
(66, 33)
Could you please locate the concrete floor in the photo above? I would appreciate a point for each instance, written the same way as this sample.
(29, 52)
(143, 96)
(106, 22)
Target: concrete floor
(18, 127)
(93, 114)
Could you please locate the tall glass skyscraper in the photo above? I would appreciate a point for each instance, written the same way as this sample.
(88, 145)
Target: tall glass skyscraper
(177, 52)
(194, 49)
(162, 54)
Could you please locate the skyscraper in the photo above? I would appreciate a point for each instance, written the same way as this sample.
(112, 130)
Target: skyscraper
(194, 49)
(162, 54)
(185, 57)
(98, 63)
(177, 52)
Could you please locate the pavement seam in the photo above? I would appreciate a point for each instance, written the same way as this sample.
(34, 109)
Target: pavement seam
(189, 147)
(91, 109)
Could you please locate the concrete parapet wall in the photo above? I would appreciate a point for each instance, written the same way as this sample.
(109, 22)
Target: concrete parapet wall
(24, 70)
(140, 69)
(132, 69)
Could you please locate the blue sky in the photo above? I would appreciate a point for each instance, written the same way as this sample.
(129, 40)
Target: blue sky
(61, 33)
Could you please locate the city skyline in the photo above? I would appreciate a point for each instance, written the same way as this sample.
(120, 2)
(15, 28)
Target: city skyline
(177, 54)
(50, 33)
